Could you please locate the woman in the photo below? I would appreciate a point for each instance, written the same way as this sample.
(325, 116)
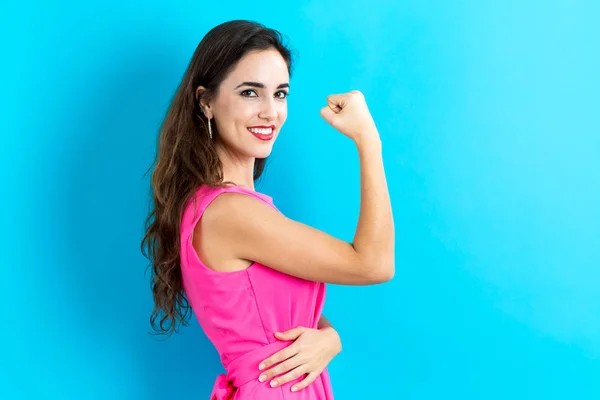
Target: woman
(255, 279)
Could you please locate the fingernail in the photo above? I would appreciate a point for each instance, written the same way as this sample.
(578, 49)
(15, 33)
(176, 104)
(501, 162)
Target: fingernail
(294, 388)
(273, 383)
(262, 378)
(261, 367)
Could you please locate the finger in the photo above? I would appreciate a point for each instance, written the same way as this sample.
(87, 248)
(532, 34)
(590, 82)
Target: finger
(329, 115)
(334, 107)
(337, 101)
(279, 369)
(290, 376)
(310, 378)
(278, 357)
(291, 334)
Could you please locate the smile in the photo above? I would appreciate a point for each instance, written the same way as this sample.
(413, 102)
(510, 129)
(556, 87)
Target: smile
(262, 133)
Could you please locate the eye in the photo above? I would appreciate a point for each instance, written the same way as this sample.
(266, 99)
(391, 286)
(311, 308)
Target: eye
(282, 94)
(246, 91)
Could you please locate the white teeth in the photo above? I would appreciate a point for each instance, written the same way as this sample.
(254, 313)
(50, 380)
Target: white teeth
(261, 131)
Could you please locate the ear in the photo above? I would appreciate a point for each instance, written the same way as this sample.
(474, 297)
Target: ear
(205, 107)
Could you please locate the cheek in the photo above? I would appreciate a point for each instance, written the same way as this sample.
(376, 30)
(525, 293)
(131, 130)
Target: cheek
(237, 111)
(283, 113)
(246, 111)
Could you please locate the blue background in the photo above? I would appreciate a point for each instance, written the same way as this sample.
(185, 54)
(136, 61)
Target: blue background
(489, 115)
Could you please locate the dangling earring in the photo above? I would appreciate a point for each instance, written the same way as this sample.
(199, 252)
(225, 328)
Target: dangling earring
(209, 127)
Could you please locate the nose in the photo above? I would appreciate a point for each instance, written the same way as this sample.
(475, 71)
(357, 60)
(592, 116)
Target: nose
(268, 109)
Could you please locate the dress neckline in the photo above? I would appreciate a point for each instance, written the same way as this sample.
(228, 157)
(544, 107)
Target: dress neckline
(244, 188)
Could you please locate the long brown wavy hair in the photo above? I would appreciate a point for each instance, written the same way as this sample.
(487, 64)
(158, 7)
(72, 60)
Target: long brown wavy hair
(186, 158)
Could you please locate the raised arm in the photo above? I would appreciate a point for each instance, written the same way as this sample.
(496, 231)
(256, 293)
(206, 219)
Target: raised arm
(252, 230)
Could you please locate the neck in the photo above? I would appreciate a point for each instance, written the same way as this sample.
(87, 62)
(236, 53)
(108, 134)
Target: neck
(237, 169)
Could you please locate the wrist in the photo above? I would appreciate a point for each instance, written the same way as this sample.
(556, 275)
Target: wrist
(368, 143)
(335, 337)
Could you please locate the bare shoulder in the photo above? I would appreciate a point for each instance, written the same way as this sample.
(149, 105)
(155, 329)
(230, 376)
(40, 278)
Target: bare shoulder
(223, 211)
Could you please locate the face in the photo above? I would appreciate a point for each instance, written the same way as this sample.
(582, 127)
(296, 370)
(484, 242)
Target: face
(250, 106)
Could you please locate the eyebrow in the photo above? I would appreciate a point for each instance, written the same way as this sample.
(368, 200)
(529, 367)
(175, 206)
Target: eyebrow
(260, 85)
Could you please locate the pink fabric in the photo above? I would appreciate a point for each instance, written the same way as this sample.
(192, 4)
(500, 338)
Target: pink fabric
(239, 312)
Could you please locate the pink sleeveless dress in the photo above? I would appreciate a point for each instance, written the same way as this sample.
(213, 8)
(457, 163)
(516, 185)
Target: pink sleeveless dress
(240, 311)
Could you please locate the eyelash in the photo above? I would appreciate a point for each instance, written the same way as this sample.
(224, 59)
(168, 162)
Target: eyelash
(252, 90)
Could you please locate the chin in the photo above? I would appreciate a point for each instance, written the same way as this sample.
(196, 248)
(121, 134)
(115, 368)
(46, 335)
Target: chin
(262, 154)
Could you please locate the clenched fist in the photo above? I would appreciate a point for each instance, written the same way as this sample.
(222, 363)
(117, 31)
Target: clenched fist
(349, 114)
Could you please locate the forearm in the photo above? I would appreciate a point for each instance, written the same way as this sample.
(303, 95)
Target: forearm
(374, 238)
(324, 323)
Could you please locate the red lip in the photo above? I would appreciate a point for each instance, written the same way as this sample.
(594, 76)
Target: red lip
(264, 137)
(263, 126)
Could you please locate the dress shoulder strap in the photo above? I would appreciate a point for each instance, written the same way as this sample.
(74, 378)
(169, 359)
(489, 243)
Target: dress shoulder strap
(202, 199)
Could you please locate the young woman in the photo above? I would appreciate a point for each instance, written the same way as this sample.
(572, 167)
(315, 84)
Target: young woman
(254, 278)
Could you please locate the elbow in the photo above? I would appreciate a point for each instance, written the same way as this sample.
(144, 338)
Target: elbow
(376, 270)
(388, 273)
(382, 274)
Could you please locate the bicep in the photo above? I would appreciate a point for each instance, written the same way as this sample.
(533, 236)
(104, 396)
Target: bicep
(257, 232)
